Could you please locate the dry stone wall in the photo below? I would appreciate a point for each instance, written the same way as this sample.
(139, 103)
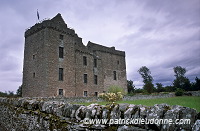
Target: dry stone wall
(24, 114)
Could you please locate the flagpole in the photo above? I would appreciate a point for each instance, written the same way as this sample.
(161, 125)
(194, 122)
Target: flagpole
(38, 16)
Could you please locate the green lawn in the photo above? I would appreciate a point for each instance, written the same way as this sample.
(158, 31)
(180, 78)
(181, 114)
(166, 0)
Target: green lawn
(187, 101)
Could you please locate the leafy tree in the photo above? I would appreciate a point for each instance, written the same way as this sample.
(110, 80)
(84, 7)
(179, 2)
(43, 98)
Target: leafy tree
(2, 94)
(160, 87)
(179, 71)
(186, 84)
(19, 91)
(146, 74)
(181, 81)
(7, 94)
(11, 93)
(147, 78)
(195, 86)
(148, 87)
(170, 88)
(139, 90)
(130, 86)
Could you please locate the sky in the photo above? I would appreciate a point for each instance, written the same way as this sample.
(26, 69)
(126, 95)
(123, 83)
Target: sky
(158, 34)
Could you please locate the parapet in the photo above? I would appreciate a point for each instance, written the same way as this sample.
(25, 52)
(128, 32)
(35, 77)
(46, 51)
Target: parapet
(96, 47)
(56, 23)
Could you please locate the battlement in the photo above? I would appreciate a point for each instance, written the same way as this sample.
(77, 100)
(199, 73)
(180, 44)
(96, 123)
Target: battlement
(56, 23)
(96, 47)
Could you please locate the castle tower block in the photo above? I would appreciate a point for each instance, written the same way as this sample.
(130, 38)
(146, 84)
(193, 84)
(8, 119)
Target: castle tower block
(49, 59)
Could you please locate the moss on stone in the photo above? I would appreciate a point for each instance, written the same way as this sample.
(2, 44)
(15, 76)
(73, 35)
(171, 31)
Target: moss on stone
(112, 128)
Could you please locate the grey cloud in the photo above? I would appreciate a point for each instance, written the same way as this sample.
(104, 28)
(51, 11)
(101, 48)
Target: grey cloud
(158, 34)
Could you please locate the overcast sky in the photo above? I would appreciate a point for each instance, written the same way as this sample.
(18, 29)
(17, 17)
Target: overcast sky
(159, 34)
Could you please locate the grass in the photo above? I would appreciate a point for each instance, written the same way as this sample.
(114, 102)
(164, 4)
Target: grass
(186, 101)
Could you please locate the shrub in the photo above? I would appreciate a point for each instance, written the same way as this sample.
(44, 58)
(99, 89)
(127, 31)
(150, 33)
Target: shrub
(115, 89)
(115, 93)
(144, 92)
(131, 94)
(179, 92)
(111, 97)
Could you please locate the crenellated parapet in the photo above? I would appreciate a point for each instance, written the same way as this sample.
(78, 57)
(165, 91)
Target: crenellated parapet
(96, 47)
(56, 23)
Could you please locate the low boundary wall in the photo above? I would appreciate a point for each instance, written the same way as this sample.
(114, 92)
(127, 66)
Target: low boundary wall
(25, 114)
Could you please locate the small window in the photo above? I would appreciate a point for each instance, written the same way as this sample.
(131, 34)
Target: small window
(34, 75)
(96, 94)
(33, 57)
(85, 93)
(60, 91)
(95, 79)
(114, 75)
(61, 52)
(61, 37)
(118, 62)
(85, 78)
(95, 62)
(60, 74)
(84, 60)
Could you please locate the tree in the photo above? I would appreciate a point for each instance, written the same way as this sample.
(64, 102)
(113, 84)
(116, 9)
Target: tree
(130, 86)
(3, 94)
(147, 78)
(146, 74)
(181, 81)
(148, 87)
(19, 91)
(170, 88)
(186, 84)
(179, 71)
(160, 87)
(196, 85)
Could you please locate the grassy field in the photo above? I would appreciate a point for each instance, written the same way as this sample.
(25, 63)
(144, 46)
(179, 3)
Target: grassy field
(187, 101)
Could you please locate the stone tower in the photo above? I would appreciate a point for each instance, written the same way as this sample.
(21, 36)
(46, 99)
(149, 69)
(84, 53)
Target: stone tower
(56, 63)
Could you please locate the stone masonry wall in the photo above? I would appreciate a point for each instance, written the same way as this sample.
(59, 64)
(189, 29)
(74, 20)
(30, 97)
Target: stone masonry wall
(24, 114)
(49, 71)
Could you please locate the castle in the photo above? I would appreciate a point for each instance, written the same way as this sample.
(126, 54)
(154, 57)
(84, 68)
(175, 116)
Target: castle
(56, 63)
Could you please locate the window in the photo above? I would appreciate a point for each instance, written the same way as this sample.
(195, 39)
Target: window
(85, 93)
(34, 75)
(61, 52)
(60, 92)
(33, 57)
(95, 79)
(95, 62)
(85, 78)
(114, 75)
(118, 62)
(60, 74)
(61, 37)
(96, 94)
(84, 60)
